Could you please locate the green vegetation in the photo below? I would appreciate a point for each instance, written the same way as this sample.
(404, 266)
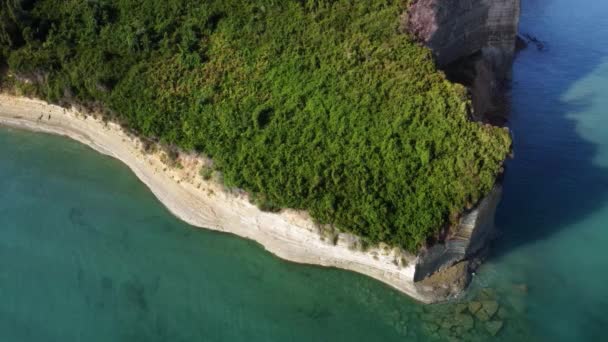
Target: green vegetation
(206, 172)
(309, 104)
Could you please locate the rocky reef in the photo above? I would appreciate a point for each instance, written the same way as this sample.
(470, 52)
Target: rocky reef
(485, 315)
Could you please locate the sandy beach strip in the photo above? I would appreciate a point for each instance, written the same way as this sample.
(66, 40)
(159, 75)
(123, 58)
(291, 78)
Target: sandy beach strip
(290, 234)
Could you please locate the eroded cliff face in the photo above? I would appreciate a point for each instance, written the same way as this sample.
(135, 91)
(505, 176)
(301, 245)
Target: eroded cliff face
(453, 29)
(443, 270)
(473, 41)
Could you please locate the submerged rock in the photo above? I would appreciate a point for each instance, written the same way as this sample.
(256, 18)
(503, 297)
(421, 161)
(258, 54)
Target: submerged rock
(487, 311)
(490, 307)
(444, 333)
(494, 327)
(448, 323)
(465, 321)
(430, 327)
(474, 307)
(460, 308)
(486, 294)
(482, 315)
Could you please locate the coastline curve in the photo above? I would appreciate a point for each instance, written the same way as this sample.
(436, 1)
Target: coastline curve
(289, 234)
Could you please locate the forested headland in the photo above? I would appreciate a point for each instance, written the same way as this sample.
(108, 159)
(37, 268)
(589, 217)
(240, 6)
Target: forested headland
(320, 105)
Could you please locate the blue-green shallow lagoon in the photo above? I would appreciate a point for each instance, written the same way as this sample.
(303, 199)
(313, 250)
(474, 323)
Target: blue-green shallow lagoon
(88, 254)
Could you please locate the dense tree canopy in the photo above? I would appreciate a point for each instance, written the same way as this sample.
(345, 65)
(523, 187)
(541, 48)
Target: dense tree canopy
(319, 105)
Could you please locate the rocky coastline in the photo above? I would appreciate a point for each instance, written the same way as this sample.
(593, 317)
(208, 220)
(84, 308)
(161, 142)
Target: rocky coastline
(473, 41)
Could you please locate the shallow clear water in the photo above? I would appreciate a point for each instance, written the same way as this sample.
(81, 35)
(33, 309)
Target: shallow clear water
(554, 213)
(88, 254)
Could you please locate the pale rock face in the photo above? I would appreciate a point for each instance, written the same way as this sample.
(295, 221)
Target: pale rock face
(475, 228)
(442, 270)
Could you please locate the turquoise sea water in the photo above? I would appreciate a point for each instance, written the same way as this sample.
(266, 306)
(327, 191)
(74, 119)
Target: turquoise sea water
(88, 254)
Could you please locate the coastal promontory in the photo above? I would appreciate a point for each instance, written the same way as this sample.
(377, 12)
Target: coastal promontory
(333, 116)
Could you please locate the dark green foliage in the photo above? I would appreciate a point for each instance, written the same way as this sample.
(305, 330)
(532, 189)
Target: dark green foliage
(206, 172)
(307, 104)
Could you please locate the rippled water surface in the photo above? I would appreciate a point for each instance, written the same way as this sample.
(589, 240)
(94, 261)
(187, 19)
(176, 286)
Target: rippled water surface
(88, 254)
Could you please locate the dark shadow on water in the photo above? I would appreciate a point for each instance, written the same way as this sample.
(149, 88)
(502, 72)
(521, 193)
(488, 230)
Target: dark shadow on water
(553, 181)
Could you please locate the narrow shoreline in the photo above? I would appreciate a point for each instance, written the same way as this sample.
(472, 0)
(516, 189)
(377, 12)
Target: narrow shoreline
(290, 234)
